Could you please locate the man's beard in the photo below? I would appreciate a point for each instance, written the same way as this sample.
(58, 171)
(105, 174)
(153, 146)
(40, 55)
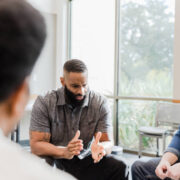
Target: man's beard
(70, 98)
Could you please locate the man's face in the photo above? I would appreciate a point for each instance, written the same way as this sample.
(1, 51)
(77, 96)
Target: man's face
(75, 85)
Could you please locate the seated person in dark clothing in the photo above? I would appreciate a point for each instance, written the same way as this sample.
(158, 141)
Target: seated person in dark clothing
(167, 167)
(71, 119)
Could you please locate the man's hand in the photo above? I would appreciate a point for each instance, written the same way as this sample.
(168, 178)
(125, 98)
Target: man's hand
(74, 147)
(97, 149)
(161, 170)
(173, 172)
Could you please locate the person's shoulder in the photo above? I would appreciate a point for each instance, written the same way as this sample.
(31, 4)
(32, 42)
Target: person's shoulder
(10, 146)
(9, 150)
(95, 98)
(49, 97)
(15, 159)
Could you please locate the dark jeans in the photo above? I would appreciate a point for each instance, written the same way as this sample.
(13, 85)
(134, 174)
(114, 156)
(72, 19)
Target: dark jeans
(145, 170)
(109, 168)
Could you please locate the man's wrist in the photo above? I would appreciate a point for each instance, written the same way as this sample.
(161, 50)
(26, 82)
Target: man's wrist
(62, 151)
(169, 157)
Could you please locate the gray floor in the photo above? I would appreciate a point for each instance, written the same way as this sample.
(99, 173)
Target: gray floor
(130, 159)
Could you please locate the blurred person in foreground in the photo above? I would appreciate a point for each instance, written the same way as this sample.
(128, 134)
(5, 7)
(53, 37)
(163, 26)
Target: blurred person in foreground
(22, 35)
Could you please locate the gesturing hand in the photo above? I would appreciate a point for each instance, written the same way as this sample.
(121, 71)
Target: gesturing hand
(97, 149)
(161, 170)
(74, 147)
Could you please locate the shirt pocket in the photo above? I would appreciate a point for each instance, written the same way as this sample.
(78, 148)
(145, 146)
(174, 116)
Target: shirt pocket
(57, 132)
(89, 130)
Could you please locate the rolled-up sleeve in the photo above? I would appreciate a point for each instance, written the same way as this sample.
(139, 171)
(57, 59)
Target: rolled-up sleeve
(39, 116)
(174, 146)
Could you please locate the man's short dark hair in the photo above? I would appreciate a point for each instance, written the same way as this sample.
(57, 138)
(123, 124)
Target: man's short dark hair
(22, 36)
(75, 65)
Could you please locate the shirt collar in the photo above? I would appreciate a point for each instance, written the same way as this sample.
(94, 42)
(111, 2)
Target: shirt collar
(61, 98)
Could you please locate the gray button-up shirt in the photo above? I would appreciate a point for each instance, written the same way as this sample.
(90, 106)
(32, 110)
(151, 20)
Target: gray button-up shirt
(51, 114)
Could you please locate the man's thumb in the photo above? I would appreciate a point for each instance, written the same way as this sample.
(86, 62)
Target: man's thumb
(77, 135)
(98, 136)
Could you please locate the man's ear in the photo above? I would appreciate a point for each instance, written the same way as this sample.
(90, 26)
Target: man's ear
(18, 100)
(62, 81)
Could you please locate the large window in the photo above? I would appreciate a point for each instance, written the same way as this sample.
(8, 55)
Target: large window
(92, 33)
(146, 48)
(146, 35)
(128, 47)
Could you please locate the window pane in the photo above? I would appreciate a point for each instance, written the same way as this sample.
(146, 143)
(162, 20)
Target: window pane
(146, 47)
(93, 31)
(132, 115)
(111, 106)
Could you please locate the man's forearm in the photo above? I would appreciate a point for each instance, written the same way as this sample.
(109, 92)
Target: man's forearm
(170, 157)
(47, 149)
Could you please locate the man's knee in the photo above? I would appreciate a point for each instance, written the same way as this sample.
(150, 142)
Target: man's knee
(141, 169)
(137, 166)
(137, 170)
(118, 167)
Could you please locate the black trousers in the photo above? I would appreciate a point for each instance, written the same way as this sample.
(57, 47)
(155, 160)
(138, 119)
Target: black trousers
(109, 168)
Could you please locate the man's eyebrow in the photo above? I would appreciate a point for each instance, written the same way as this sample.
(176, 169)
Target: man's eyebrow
(75, 84)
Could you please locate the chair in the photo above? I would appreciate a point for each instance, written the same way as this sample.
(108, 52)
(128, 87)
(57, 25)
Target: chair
(167, 114)
(15, 134)
(15, 131)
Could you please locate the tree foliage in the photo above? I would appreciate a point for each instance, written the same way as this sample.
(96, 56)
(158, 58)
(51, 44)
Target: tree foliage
(147, 33)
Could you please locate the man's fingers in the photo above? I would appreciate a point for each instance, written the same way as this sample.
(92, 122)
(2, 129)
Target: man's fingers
(77, 135)
(98, 158)
(98, 136)
(73, 143)
(160, 172)
(75, 152)
(77, 148)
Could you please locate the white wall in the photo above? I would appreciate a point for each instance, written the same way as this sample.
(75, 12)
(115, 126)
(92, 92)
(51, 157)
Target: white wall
(49, 66)
(46, 73)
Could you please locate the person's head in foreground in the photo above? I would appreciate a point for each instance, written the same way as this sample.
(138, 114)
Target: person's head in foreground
(22, 35)
(75, 81)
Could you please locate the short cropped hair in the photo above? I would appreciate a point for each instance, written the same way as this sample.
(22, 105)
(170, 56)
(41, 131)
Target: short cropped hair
(22, 36)
(75, 65)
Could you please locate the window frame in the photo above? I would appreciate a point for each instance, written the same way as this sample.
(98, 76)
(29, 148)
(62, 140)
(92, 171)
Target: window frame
(115, 97)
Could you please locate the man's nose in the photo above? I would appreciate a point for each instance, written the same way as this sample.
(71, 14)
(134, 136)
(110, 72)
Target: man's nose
(81, 91)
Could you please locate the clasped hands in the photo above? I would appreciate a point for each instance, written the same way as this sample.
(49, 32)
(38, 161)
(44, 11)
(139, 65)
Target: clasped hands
(164, 169)
(75, 146)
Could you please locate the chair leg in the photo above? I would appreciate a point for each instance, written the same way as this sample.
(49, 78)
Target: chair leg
(17, 133)
(164, 142)
(157, 150)
(12, 136)
(140, 145)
